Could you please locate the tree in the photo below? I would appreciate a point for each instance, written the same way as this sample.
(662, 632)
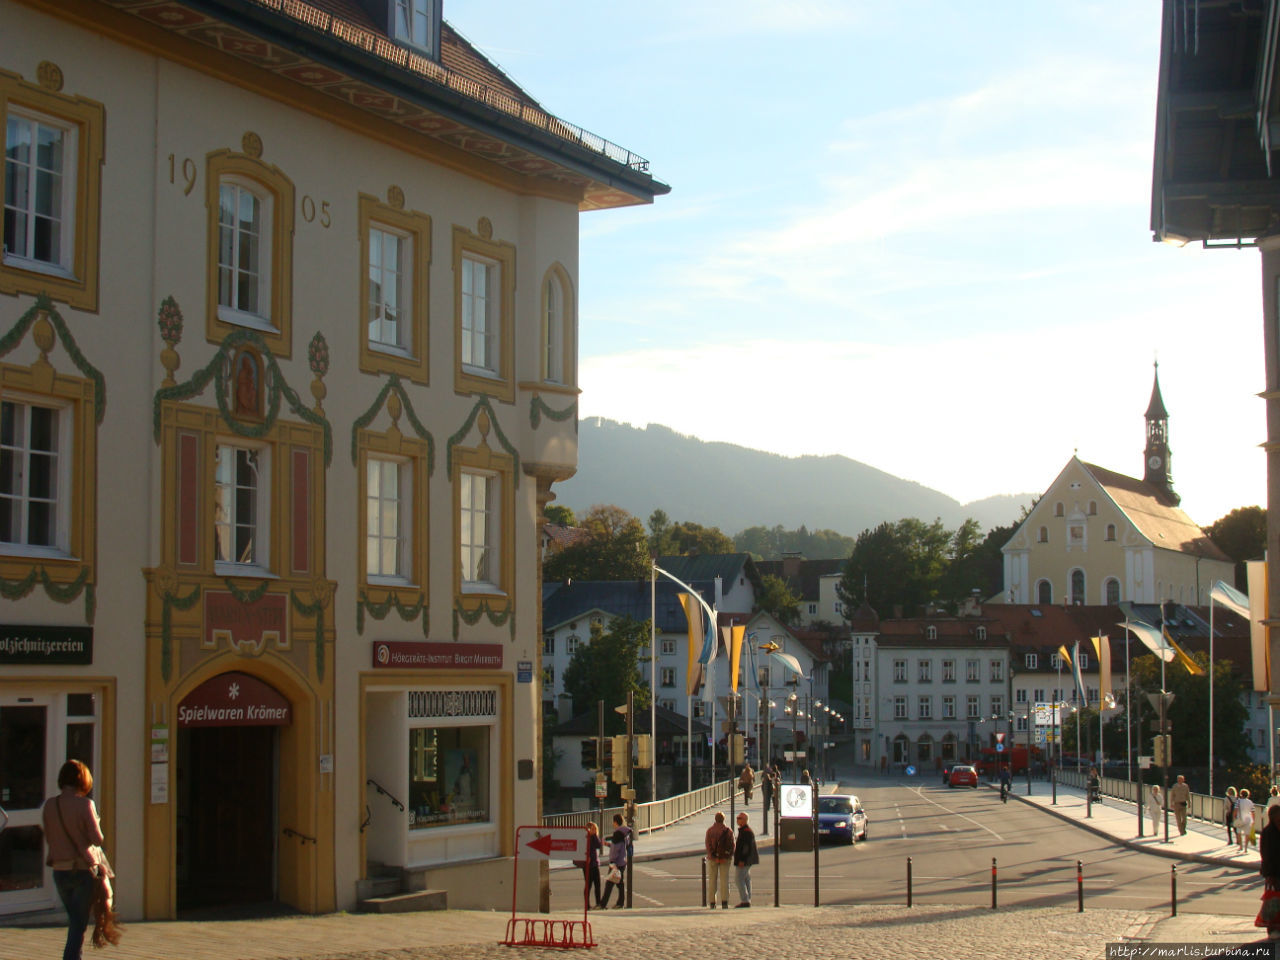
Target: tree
(607, 667)
(1190, 709)
(962, 576)
(897, 567)
(560, 516)
(659, 527)
(687, 538)
(776, 597)
(772, 542)
(1242, 535)
(615, 549)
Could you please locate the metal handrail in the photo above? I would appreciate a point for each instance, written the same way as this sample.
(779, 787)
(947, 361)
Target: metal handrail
(654, 815)
(377, 786)
(1201, 807)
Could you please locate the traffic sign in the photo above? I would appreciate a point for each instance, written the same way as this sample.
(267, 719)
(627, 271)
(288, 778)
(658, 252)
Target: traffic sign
(552, 843)
(910, 771)
(795, 801)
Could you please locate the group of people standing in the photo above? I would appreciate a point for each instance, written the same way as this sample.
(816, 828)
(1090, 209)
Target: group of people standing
(621, 850)
(724, 848)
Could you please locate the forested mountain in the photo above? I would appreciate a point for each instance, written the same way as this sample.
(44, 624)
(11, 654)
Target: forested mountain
(733, 488)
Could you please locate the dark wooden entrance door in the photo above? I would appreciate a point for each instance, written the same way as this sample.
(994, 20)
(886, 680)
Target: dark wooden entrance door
(226, 816)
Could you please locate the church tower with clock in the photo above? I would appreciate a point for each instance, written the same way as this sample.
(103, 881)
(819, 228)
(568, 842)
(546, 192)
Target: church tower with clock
(1158, 471)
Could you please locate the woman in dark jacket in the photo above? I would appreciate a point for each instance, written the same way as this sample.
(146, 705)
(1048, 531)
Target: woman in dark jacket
(745, 856)
(591, 868)
(1269, 847)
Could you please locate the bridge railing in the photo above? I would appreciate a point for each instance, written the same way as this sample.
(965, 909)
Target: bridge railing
(649, 816)
(1201, 807)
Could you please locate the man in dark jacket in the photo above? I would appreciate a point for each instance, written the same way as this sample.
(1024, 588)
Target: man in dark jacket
(746, 856)
(1269, 848)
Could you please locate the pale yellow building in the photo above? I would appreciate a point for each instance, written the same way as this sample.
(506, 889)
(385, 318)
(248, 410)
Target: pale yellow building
(288, 344)
(1098, 537)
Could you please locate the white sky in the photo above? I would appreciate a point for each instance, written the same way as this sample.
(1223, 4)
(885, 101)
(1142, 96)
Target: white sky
(915, 234)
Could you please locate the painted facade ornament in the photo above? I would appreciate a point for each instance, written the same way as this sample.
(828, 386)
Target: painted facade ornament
(393, 394)
(484, 227)
(251, 145)
(318, 360)
(538, 409)
(170, 322)
(395, 197)
(483, 409)
(49, 76)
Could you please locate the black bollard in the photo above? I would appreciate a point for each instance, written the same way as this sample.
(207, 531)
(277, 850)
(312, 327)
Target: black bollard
(1079, 887)
(704, 881)
(993, 883)
(908, 881)
(1173, 889)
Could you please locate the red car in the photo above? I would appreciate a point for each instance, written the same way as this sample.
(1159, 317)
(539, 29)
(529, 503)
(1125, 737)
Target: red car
(963, 775)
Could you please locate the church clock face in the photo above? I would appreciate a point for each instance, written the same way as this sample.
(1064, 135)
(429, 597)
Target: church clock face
(1153, 462)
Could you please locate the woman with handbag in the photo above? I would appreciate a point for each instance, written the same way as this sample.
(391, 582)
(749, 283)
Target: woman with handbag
(1269, 847)
(81, 872)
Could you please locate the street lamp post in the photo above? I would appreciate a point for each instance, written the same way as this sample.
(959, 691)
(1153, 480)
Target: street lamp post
(792, 710)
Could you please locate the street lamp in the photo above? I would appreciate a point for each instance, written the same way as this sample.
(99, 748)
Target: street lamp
(792, 710)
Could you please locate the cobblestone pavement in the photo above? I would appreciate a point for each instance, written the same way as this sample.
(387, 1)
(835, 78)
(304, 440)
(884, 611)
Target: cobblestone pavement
(935, 932)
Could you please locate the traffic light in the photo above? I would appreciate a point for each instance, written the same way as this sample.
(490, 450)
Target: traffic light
(590, 760)
(606, 754)
(737, 748)
(1160, 748)
(620, 757)
(644, 751)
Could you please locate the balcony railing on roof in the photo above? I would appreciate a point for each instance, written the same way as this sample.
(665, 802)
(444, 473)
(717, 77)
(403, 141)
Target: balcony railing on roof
(383, 48)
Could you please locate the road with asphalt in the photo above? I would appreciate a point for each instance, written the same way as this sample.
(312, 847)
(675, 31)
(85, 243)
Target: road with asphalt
(951, 836)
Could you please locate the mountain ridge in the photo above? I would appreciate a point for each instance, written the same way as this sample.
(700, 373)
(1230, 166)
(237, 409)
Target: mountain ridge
(732, 487)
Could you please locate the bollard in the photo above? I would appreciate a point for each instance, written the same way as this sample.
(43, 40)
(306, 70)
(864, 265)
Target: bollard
(1079, 887)
(908, 881)
(704, 881)
(993, 883)
(1173, 889)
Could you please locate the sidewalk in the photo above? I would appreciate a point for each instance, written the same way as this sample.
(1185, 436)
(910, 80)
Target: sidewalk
(1118, 819)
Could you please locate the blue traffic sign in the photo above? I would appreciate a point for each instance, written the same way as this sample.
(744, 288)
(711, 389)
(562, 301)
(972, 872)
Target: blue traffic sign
(999, 748)
(911, 771)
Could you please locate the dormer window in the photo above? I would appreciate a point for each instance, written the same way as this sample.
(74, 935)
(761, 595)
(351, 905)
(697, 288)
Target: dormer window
(417, 23)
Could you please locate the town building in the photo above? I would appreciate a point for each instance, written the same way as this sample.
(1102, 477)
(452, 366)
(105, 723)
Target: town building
(1099, 537)
(288, 344)
(1214, 183)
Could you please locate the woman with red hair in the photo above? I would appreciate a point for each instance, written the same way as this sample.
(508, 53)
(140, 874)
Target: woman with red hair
(75, 840)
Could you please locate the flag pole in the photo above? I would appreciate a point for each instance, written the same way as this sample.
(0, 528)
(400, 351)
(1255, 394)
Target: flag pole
(1211, 693)
(653, 684)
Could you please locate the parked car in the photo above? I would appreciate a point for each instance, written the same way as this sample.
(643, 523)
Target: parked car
(963, 775)
(841, 817)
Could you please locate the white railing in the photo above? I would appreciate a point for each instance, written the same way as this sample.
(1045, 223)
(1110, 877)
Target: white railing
(649, 816)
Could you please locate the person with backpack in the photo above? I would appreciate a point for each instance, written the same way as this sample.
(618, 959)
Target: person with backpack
(719, 844)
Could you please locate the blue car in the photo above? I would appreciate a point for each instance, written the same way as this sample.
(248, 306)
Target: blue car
(841, 817)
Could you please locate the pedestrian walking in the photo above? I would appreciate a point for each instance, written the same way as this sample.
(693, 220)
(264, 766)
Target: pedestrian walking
(619, 851)
(719, 845)
(1005, 784)
(768, 784)
(746, 782)
(81, 872)
(1244, 819)
(1261, 820)
(1269, 848)
(1179, 797)
(1229, 813)
(1155, 806)
(745, 856)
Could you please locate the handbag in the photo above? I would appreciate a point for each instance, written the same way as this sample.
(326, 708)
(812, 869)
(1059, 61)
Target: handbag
(615, 875)
(1269, 913)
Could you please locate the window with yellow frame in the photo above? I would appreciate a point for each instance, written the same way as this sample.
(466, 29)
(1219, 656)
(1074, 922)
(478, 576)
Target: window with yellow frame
(52, 189)
(395, 257)
(484, 314)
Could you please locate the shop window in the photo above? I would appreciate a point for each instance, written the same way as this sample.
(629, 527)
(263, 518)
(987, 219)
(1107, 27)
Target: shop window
(448, 776)
(52, 187)
(395, 256)
(250, 255)
(484, 305)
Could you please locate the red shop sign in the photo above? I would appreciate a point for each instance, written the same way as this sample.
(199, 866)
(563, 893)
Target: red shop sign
(234, 700)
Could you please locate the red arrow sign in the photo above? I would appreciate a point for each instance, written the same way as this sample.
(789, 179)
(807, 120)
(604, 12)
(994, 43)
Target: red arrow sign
(556, 843)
